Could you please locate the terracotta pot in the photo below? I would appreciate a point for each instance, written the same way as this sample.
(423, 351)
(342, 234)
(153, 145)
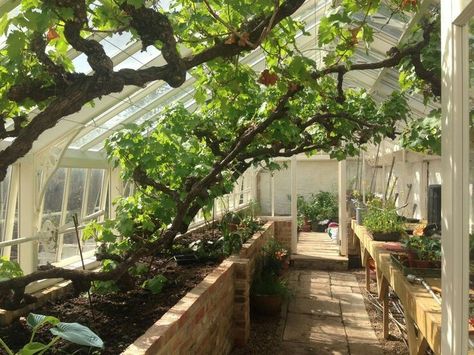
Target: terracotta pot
(423, 264)
(268, 305)
(411, 257)
(306, 227)
(285, 265)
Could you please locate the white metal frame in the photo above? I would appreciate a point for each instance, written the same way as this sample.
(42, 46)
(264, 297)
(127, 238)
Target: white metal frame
(455, 14)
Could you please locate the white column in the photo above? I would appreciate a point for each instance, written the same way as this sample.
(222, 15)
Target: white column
(272, 189)
(342, 235)
(28, 215)
(362, 176)
(294, 212)
(11, 209)
(454, 208)
(116, 190)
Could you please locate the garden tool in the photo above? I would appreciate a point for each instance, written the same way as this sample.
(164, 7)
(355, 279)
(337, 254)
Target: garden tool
(419, 280)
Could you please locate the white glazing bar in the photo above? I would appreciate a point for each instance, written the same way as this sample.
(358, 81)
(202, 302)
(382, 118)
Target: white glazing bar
(294, 212)
(104, 192)
(11, 210)
(62, 220)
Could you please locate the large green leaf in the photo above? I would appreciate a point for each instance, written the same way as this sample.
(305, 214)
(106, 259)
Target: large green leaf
(32, 348)
(77, 334)
(37, 320)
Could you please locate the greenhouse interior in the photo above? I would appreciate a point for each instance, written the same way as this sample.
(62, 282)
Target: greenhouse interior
(236, 177)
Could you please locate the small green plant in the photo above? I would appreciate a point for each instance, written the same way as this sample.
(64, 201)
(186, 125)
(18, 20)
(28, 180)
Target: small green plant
(156, 284)
(270, 284)
(73, 332)
(275, 256)
(323, 206)
(425, 248)
(9, 269)
(380, 219)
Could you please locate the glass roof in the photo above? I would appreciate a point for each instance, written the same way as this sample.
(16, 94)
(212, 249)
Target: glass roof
(145, 103)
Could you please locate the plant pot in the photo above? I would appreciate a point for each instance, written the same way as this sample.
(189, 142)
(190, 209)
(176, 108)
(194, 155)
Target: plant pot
(285, 265)
(319, 226)
(306, 227)
(387, 237)
(268, 305)
(411, 257)
(185, 259)
(360, 212)
(423, 264)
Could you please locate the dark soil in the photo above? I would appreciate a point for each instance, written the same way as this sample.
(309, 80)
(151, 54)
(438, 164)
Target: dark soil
(120, 318)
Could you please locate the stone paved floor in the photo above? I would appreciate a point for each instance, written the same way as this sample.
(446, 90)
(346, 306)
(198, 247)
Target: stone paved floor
(327, 315)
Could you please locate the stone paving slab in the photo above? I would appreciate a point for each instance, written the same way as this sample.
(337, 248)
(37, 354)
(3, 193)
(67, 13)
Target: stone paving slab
(318, 305)
(322, 332)
(327, 315)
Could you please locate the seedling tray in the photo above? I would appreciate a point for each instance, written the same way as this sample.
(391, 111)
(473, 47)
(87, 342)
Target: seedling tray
(427, 272)
(386, 237)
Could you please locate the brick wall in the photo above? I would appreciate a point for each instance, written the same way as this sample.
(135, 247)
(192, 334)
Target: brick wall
(200, 323)
(213, 316)
(283, 233)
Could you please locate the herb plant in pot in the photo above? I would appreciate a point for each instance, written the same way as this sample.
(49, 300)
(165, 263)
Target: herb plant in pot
(383, 223)
(267, 293)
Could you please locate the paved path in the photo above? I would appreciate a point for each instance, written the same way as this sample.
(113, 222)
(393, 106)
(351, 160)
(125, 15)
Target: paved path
(327, 315)
(318, 251)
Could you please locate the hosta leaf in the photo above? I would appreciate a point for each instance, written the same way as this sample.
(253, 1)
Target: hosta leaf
(77, 334)
(36, 320)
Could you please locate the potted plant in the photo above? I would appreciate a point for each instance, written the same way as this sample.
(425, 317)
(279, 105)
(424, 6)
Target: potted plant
(423, 252)
(383, 222)
(267, 293)
(276, 257)
(304, 222)
(323, 208)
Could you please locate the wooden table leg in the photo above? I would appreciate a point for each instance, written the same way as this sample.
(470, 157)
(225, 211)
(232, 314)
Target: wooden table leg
(383, 296)
(367, 278)
(417, 344)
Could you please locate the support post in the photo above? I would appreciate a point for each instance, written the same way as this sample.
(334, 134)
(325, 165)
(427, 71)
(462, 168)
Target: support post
(28, 215)
(116, 190)
(12, 198)
(294, 212)
(342, 234)
(272, 188)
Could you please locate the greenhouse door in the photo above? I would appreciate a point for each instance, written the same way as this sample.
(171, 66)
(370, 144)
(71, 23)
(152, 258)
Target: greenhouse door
(457, 35)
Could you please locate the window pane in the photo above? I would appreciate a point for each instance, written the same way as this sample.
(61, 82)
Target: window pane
(53, 197)
(76, 191)
(95, 188)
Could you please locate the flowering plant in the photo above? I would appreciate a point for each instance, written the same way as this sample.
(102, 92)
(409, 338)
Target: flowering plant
(281, 254)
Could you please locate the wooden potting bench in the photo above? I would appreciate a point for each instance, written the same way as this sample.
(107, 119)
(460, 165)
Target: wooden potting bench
(422, 311)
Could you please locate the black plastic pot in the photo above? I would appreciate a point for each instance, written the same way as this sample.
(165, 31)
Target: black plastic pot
(185, 259)
(319, 226)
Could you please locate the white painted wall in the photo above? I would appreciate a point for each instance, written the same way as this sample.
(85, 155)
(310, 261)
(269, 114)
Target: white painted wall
(312, 176)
